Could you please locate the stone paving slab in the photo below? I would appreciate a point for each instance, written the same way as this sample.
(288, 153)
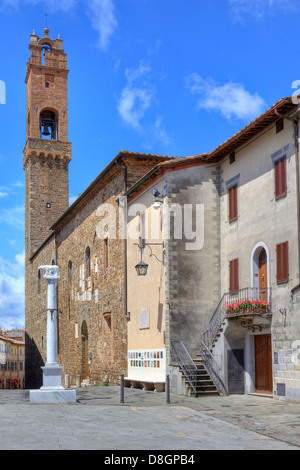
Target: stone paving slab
(98, 421)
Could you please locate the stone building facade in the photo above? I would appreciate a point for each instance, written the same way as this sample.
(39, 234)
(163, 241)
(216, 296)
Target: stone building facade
(232, 299)
(12, 359)
(92, 330)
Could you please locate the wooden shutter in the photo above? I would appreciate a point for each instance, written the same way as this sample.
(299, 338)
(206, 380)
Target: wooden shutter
(282, 254)
(280, 177)
(234, 275)
(283, 176)
(233, 207)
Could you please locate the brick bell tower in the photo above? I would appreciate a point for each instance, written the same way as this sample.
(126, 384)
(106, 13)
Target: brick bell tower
(47, 152)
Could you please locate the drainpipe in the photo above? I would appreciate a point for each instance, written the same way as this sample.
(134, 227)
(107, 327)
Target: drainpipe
(296, 128)
(125, 250)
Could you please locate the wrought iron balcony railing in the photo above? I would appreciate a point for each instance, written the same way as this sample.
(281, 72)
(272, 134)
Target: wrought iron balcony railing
(247, 301)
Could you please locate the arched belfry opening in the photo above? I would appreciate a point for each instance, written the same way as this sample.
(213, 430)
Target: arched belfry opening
(45, 48)
(48, 125)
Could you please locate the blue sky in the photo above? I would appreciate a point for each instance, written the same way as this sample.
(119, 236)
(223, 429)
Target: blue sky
(160, 76)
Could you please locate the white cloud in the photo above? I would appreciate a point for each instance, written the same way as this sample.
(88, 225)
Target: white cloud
(10, 189)
(231, 99)
(133, 104)
(137, 73)
(52, 5)
(14, 217)
(261, 8)
(136, 97)
(160, 132)
(20, 259)
(101, 13)
(103, 19)
(12, 293)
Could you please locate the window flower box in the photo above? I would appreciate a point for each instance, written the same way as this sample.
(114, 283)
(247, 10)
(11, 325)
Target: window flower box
(247, 306)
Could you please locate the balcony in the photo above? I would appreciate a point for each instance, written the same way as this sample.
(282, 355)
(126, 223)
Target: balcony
(244, 304)
(247, 301)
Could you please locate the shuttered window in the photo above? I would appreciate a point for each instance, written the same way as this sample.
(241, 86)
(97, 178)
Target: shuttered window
(234, 275)
(233, 206)
(282, 254)
(280, 178)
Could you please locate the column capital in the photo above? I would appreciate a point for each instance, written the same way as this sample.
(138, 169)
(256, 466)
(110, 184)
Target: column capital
(52, 272)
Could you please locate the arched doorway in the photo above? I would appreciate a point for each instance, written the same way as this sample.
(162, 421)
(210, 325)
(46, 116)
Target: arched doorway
(263, 275)
(84, 351)
(260, 272)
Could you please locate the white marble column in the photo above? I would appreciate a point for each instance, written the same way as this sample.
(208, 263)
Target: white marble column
(52, 275)
(52, 390)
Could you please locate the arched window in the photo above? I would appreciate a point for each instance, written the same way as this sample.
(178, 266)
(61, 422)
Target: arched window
(70, 273)
(48, 125)
(39, 282)
(88, 261)
(46, 47)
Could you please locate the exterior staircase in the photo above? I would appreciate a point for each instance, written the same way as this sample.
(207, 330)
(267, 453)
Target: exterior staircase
(204, 384)
(200, 375)
(219, 332)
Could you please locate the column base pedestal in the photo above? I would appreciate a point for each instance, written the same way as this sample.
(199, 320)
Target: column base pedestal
(53, 396)
(52, 390)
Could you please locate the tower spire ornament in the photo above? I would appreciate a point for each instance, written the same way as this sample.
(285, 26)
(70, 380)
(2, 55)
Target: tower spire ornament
(46, 30)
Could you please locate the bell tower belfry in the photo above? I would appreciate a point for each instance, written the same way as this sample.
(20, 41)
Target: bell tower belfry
(47, 152)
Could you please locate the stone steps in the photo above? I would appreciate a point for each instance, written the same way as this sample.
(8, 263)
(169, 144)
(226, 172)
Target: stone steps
(204, 384)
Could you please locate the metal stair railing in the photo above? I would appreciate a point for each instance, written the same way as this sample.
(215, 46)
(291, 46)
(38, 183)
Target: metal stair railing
(212, 368)
(250, 294)
(181, 357)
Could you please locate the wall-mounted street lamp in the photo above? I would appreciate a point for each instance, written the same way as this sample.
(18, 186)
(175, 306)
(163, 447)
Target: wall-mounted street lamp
(142, 267)
(158, 198)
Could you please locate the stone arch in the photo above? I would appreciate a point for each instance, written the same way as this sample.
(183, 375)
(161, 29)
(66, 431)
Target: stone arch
(254, 265)
(49, 123)
(46, 42)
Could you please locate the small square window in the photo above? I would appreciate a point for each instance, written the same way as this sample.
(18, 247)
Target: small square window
(47, 85)
(232, 158)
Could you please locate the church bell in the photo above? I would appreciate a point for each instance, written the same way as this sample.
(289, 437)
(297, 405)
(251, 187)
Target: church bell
(46, 130)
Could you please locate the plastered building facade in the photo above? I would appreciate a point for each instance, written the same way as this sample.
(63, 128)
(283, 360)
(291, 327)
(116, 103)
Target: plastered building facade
(232, 299)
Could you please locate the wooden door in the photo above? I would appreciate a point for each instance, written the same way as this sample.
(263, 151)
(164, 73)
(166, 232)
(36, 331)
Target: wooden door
(263, 276)
(263, 364)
